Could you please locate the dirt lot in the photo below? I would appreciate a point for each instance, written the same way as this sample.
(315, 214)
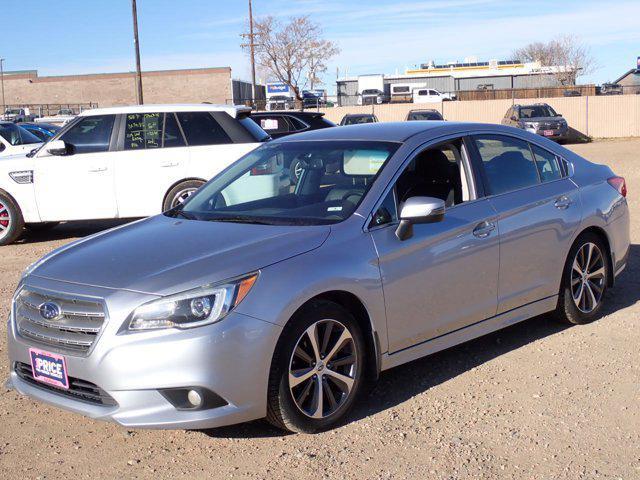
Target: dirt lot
(535, 401)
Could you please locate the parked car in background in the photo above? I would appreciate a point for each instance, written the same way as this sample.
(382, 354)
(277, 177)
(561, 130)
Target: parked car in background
(401, 240)
(571, 93)
(16, 115)
(286, 123)
(281, 102)
(15, 140)
(357, 118)
(538, 118)
(429, 95)
(44, 131)
(426, 114)
(373, 97)
(610, 89)
(279, 124)
(66, 112)
(127, 162)
(61, 117)
(314, 99)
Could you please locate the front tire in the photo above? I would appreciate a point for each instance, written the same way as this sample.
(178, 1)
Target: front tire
(11, 221)
(584, 281)
(317, 369)
(179, 194)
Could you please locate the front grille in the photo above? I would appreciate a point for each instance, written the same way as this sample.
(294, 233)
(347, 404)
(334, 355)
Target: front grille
(74, 330)
(78, 389)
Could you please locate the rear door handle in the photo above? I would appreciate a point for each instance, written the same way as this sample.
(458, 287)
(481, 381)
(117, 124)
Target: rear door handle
(169, 164)
(563, 202)
(484, 229)
(97, 169)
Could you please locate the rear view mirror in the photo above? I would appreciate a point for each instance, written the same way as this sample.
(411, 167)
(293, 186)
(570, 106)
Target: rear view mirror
(419, 210)
(57, 147)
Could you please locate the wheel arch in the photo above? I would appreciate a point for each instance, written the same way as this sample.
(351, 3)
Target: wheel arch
(12, 198)
(357, 308)
(175, 184)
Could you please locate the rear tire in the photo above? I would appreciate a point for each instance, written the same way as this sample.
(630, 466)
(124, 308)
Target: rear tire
(328, 377)
(11, 221)
(179, 194)
(584, 281)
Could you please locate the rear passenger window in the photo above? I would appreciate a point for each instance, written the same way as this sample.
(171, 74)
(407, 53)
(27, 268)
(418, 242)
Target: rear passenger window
(508, 163)
(151, 130)
(201, 128)
(548, 164)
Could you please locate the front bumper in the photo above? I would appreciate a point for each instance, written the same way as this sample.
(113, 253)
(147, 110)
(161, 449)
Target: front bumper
(231, 358)
(556, 134)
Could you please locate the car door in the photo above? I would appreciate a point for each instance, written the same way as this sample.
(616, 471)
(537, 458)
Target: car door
(152, 156)
(445, 277)
(78, 185)
(538, 210)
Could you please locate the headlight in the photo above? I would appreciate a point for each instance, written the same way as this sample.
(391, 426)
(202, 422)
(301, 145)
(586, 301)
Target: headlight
(530, 125)
(194, 308)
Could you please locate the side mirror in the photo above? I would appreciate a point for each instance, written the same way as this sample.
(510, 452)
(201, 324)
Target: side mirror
(419, 210)
(514, 118)
(57, 147)
(2, 147)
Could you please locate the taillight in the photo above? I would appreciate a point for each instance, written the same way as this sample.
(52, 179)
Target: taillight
(619, 184)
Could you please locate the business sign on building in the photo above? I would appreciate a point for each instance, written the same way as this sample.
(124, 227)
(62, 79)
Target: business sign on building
(277, 88)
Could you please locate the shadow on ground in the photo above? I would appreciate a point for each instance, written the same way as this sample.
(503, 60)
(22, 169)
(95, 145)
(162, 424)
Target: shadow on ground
(69, 230)
(399, 384)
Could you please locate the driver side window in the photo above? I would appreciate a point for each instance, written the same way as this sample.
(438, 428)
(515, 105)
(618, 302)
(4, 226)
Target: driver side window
(439, 171)
(91, 134)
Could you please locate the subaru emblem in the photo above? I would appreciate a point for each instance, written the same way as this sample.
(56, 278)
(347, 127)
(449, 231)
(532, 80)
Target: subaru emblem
(49, 310)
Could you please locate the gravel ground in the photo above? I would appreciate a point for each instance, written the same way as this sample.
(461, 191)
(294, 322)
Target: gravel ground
(536, 401)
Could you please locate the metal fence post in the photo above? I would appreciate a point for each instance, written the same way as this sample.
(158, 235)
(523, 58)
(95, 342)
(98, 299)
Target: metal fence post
(586, 99)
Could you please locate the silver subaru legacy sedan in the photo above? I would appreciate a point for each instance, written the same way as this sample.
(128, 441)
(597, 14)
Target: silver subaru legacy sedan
(398, 240)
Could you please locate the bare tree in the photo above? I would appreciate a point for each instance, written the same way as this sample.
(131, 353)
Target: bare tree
(293, 53)
(564, 51)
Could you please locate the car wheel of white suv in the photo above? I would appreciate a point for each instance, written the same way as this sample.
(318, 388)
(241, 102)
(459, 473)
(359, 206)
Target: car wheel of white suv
(11, 221)
(179, 194)
(317, 369)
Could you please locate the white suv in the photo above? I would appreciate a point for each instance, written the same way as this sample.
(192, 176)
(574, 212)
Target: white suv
(125, 162)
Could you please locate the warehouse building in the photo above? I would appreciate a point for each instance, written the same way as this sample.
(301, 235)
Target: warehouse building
(196, 85)
(468, 76)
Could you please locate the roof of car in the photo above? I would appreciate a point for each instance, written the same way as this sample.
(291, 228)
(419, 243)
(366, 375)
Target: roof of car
(359, 115)
(232, 110)
(295, 113)
(393, 131)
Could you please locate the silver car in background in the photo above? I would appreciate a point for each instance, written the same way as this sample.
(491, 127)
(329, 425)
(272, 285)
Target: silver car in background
(398, 240)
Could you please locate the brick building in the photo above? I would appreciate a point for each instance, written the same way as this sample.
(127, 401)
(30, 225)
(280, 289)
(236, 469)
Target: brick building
(107, 89)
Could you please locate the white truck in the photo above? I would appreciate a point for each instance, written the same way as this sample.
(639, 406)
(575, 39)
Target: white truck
(430, 95)
(371, 90)
(16, 115)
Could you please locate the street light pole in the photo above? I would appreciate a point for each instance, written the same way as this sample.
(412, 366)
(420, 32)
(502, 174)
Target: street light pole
(136, 43)
(4, 106)
(253, 57)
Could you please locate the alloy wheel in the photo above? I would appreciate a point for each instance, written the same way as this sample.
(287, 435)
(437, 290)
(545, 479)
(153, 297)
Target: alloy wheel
(5, 220)
(588, 277)
(323, 368)
(181, 197)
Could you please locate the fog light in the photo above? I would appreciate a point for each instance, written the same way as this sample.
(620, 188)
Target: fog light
(194, 398)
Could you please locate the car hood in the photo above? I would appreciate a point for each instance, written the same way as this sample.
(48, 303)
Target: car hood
(163, 255)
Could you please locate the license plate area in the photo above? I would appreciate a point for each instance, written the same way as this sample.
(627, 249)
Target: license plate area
(49, 368)
(547, 133)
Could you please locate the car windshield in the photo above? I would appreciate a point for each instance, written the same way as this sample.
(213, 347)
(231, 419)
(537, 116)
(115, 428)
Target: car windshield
(12, 111)
(332, 179)
(425, 116)
(17, 135)
(536, 111)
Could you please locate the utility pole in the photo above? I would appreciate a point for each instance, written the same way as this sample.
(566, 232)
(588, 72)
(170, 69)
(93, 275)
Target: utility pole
(251, 46)
(4, 106)
(136, 43)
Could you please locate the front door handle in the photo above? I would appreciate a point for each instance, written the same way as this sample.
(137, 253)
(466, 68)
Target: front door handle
(484, 229)
(97, 169)
(169, 164)
(562, 202)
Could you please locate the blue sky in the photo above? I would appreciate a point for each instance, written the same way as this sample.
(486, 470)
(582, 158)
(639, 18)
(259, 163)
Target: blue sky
(375, 36)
